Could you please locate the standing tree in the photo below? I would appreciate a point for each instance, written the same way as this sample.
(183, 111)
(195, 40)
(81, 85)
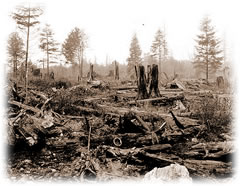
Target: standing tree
(159, 48)
(48, 44)
(135, 55)
(208, 55)
(26, 17)
(73, 48)
(68, 49)
(15, 51)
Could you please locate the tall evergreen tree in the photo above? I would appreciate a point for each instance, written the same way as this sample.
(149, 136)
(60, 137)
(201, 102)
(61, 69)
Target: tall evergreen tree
(208, 58)
(15, 51)
(48, 45)
(159, 48)
(26, 17)
(74, 46)
(135, 55)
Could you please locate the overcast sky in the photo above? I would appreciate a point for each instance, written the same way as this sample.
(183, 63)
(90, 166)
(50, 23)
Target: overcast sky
(110, 24)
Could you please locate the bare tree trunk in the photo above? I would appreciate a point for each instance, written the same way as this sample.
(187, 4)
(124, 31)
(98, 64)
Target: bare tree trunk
(81, 71)
(207, 62)
(160, 62)
(26, 60)
(47, 60)
(79, 64)
(207, 71)
(142, 86)
(154, 81)
(15, 67)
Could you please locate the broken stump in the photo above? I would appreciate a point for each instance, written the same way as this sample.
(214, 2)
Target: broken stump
(142, 86)
(154, 81)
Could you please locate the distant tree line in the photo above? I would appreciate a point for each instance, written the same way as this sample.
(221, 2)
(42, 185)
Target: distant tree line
(207, 57)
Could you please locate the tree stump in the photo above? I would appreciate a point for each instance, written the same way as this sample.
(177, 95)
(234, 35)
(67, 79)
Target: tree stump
(220, 82)
(116, 70)
(141, 82)
(154, 81)
(91, 72)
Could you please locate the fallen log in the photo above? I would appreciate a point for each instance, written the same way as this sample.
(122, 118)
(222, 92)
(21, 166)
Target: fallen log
(169, 158)
(213, 150)
(13, 121)
(40, 94)
(148, 130)
(158, 99)
(124, 88)
(142, 123)
(184, 114)
(87, 110)
(26, 107)
(208, 167)
(127, 140)
(116, 151)
(121, 111)
(73, 117)
(179, 125)
(155, 148)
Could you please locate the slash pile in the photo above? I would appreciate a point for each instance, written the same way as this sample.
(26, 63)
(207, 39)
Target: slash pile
(103, 133)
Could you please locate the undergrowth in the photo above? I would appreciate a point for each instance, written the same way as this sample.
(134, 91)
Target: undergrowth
(215, 114)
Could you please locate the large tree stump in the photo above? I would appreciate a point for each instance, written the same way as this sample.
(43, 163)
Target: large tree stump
(141, 82)
(154, 81)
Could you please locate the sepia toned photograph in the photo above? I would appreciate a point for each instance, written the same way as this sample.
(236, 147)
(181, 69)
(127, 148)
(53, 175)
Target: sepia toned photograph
(105, 91)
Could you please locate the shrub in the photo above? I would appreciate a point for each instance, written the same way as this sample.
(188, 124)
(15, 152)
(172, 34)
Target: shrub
(216, 115)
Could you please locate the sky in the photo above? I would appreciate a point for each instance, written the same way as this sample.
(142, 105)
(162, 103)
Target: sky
(111, 24)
